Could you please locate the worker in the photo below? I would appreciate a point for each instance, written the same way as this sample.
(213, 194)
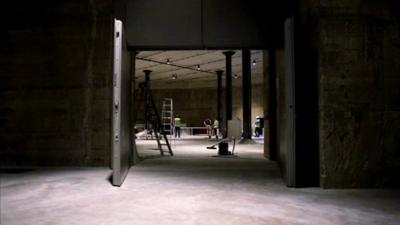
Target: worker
(177, 125)
(257, 126)
(208, 124)
(216, 128)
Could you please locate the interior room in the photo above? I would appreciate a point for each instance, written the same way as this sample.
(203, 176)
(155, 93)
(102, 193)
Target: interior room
(189, 80)
(200, 112)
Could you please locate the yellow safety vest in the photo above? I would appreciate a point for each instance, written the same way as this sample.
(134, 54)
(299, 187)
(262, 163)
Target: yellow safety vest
(258, 123)
(177, 122)
(216, 124)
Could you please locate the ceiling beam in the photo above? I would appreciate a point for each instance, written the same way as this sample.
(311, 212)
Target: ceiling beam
(174, 65)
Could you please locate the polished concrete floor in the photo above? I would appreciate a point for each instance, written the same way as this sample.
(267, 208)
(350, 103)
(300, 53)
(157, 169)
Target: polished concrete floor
(192, 187)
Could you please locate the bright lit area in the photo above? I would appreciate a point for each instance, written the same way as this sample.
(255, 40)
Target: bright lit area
(191, 86)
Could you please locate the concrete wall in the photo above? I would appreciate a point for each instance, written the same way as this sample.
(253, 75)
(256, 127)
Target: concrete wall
(281, 119)
(356, 54)
(195, 105)
(55, 87)
(197, 24)
(257, 103)
(55, 83)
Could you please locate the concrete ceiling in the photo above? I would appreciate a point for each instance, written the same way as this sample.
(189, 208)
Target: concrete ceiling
(185, 63)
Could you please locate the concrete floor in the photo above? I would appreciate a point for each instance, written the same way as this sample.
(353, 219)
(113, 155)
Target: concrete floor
(193, 187)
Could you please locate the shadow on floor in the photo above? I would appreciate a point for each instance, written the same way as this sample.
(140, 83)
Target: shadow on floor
(15, 170)
(109, 178)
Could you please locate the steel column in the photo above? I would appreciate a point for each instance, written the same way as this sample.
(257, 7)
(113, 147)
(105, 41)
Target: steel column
(219, 95)
(272, 106)
(147, 97)
(246, 87)
(228, 94)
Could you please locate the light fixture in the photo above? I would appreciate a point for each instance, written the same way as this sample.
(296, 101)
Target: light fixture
(174, 76)
(168, 62)
(254, 63)
(198, 67)
(235, 76)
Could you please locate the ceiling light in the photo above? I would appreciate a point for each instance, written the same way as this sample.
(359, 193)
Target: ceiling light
(168, 62)
(235, 76)
(174, 76)
(254, 63)
(198, 67)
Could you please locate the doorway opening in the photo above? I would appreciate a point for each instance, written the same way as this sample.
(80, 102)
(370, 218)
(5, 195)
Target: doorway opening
(189, 81)
(287, 122)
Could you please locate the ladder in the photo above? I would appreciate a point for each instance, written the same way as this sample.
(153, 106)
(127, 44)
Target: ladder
(167, 116)
(156, 127)
(153, 124)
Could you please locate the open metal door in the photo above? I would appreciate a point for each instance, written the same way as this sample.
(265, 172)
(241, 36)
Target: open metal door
(120, 109)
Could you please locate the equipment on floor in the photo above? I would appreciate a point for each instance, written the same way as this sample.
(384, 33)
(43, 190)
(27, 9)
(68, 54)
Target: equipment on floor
(213, 146)
(223, 147)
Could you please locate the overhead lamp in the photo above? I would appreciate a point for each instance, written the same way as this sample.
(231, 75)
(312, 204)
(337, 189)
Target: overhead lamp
(198, 67)
(174, 76)
(254, 63)
(235, 76)
(168, 62)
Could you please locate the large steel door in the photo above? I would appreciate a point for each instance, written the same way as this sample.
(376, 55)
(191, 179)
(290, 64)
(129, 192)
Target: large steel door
(120, 158)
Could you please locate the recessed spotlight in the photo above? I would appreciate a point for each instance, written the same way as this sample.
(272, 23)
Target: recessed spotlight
(198, 67)
(254, 63)
(174, 76)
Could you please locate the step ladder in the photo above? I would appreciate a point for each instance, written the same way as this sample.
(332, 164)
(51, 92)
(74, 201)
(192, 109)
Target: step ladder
(144, 98)
(156, 126)
(167, 116)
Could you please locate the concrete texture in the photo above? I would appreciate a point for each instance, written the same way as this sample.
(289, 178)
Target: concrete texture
(196, 104)
(191, 187)
(55, 87)
(354, 49)
(55, 83)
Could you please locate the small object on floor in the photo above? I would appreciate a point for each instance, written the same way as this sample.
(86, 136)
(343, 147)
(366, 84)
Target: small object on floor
(213, 146)
(223, 148)
(226, 156)
(224, 152)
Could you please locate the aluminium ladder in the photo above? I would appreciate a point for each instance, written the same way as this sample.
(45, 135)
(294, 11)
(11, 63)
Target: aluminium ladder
(167, 116)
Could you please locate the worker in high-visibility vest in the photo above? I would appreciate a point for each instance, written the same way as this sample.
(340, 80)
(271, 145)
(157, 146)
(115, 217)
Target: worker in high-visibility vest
(208, 123)
(216, 128)
(257, 126)
(177, 125)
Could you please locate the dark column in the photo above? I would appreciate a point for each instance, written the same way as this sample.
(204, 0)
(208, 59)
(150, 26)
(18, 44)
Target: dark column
(246, 87)
(131, 106)
(272, 106)
(219, 95)
(134, 90)
(146, 96)
(134, 108)
(228, 87)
